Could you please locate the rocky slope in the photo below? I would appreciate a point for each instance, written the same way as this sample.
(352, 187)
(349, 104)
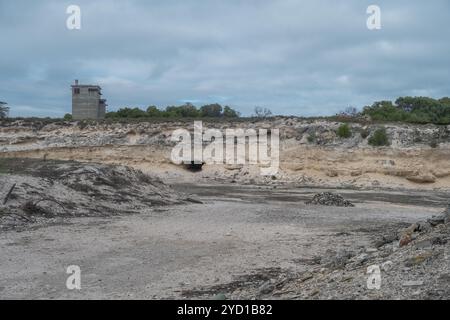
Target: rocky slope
(311, 152)
(37, 191)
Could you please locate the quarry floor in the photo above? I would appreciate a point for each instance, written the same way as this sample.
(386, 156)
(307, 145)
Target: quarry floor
(238, 237)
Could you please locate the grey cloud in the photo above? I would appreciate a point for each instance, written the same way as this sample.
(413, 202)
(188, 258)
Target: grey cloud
(295, 57)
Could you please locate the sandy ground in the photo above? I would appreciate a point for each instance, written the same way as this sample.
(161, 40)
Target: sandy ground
(198, 250)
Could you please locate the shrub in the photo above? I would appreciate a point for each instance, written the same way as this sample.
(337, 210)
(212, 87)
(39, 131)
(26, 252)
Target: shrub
(344, 131)
(379, 138)
(68, 117)
(434, 143)
(312, 137)
(262, 112)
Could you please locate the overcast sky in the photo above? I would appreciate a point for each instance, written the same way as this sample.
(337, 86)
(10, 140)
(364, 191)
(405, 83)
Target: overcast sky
(312, 57)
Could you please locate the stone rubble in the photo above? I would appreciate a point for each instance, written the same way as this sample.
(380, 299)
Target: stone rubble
(329, 199)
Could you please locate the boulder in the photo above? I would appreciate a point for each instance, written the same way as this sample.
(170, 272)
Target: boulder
(444, 217)
(422, 178)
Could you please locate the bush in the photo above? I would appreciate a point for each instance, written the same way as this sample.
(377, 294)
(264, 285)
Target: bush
(312, 137)
(344, 131)
(68, 117)
(434, 143)
(262, 112)
(379, 138)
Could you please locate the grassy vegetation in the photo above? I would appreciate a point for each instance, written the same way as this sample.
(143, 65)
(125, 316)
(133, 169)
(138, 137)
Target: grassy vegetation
(344, 131)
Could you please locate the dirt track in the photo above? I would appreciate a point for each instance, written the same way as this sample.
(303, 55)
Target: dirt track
(231, 244)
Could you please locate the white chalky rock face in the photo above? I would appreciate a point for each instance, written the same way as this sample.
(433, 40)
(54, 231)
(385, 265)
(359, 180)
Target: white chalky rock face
(311, 153)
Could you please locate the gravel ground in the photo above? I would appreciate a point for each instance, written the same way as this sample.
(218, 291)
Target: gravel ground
(241, 243)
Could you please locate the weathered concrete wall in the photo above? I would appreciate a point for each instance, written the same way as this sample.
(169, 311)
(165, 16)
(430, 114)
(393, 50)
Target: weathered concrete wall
(86, 104)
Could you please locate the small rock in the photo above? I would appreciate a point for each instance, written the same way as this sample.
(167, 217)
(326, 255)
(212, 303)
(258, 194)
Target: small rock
(445, 278)
(371, 250)
(347, 278)
(315, 292)
(416, 260)
(220, 296)
(266, 288)
(386, 266)
(360, 259)
(405, 240)
(440, 219)
(436, 220)
(424, 178)
(332, 173)
(412, 283)
(439, 240)
(385, 240)
(423, 226)
(339, 260)
(305, 276)
(427, 243)
(411, 229)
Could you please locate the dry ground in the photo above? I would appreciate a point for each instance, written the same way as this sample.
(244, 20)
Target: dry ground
(238, 240)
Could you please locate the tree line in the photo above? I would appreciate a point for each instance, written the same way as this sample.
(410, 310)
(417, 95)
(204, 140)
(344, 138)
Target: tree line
(410, 109)
(187, 110)
(420, 110)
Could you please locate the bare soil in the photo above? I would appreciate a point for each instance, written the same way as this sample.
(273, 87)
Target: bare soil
(237, 241)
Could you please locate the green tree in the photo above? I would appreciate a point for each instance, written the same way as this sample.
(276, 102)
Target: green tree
(188, 110)
(230, 113)
(68, 117)
(132, 113)
(211, 110)
(262, 112)
(154, 112)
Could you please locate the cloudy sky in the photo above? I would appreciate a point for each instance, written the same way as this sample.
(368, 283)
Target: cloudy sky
(310, 57)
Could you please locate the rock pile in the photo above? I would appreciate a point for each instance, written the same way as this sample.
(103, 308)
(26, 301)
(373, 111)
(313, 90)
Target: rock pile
(444, 217)
(330, 199)
(59, 189)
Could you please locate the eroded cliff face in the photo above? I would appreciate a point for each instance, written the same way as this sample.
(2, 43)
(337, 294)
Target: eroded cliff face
(311, 153)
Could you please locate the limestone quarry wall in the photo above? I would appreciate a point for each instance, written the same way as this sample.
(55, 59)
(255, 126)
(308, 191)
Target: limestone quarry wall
(311, 153)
